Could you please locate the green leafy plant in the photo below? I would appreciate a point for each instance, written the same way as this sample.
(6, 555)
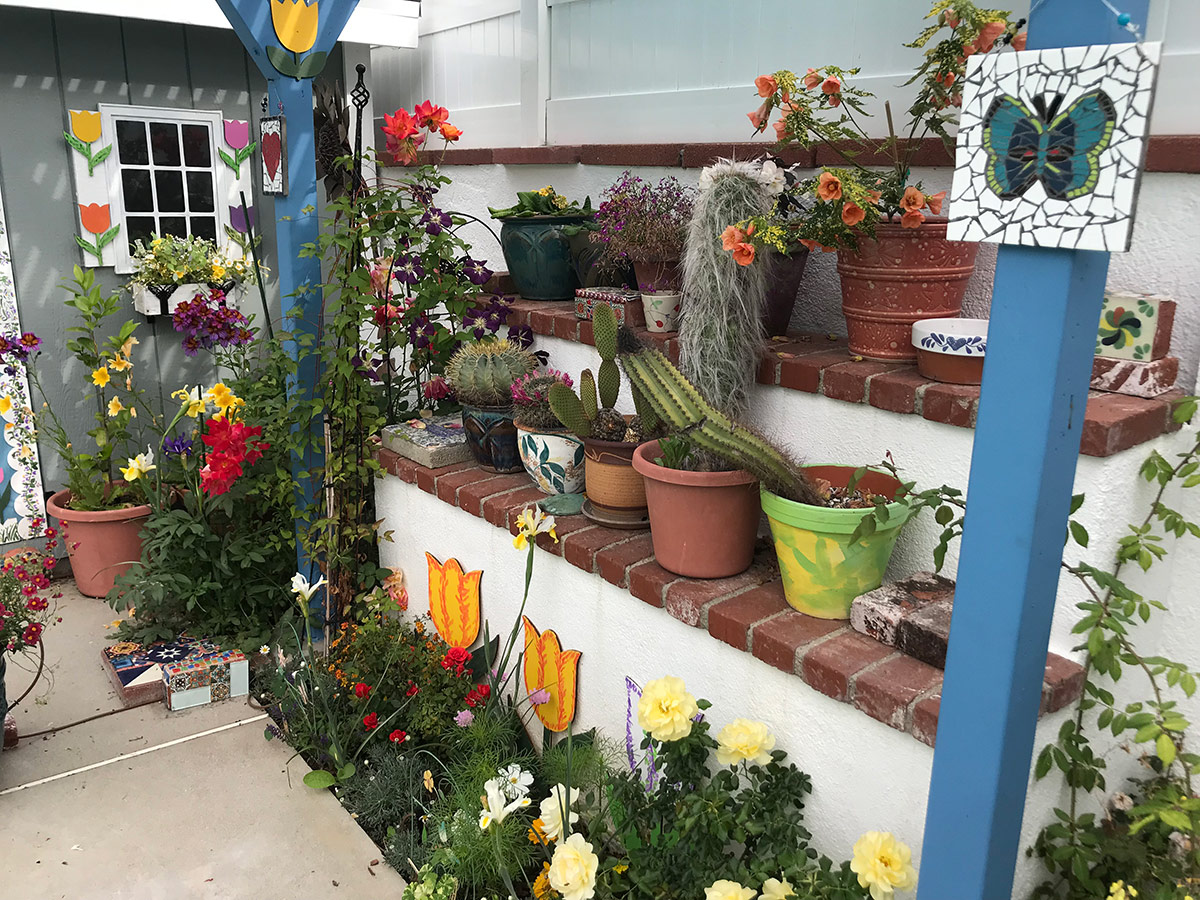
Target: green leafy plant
(543, 202)
(1147, 836)
(676, 450)
(171, 260)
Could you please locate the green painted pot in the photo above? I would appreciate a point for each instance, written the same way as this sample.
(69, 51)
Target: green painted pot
(822, 571)
(538, 256)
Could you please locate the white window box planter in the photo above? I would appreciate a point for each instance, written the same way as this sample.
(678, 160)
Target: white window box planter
(155, 301)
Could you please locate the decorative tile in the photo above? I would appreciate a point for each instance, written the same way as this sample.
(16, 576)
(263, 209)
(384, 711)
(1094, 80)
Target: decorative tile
(1135, 326)
(212, 672)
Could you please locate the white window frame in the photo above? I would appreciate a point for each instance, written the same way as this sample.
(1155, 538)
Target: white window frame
(223, 180)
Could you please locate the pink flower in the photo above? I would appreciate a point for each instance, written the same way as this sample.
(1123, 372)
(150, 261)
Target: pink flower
(464, 718)
(758, 118)
(237, 133)
(436, 388)
(766, 84)
(935, 202)
(731, 237)
(1018, 42)
(988, 35)
(540, 696)
(811, 79)
(781, 130)
(831, 86)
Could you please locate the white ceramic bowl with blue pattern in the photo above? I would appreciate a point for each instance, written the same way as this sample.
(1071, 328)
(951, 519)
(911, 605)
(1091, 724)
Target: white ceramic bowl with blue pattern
(951, 350)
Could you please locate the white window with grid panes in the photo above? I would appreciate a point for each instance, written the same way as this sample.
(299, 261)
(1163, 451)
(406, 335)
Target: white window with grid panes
(164, 175)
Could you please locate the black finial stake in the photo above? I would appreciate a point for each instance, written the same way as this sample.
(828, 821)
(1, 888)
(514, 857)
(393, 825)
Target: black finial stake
(359, 97)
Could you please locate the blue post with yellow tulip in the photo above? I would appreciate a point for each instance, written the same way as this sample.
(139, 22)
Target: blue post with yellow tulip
(290, 41)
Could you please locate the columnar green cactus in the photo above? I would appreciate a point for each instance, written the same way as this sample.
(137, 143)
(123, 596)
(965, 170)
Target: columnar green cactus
(482, 373)
(685, 412)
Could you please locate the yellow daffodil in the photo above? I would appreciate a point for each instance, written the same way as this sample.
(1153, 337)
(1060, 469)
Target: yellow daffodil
(5, 405)
(295, 23)
(120, 363)
(85, 125)
(100, 377)
(130, 343)
(530, 524)
(142, 464)
(883, 865)
(115, 406)
(193, 404)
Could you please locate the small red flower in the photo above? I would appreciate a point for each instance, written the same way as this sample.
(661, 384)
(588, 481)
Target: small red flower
(485, 691)
(371, 722)
(398, 737)
(362, 691)
(456, 658)
(412, 690)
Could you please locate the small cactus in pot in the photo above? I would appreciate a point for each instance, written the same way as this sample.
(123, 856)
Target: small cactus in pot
(553, 457)
(531, 399)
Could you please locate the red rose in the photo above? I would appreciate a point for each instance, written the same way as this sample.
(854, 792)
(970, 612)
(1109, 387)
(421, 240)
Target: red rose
(397, 737)
(456, 658)
(362, 691)
(371, 722)
(412, 690)
(485, 691)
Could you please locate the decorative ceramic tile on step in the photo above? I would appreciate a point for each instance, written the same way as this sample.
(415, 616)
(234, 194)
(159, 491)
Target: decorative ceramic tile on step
(1135, 326)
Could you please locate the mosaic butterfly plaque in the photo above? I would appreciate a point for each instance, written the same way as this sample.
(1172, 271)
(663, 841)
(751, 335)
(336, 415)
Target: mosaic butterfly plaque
(1050, 146)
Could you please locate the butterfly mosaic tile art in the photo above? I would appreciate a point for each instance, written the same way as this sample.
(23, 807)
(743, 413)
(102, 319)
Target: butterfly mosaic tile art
(1051, 144)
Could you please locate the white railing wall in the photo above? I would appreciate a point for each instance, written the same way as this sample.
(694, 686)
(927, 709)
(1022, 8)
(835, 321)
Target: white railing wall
(526, 72)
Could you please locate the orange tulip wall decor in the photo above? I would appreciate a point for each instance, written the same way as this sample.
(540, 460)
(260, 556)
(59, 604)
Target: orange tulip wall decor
(454, 601)
(551, 669)
(97, 221)
(296, 24)
(85, 131)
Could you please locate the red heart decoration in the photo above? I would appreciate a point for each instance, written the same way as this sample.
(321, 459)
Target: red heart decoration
(272, 152)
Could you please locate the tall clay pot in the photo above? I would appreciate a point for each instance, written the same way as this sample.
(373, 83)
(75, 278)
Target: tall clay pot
(904, 275)
(102, 543)
(538, 256)
(703, 524)
(616, 492)
(783, 283)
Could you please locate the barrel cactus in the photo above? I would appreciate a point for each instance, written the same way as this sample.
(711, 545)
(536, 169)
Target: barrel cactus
(482, 374)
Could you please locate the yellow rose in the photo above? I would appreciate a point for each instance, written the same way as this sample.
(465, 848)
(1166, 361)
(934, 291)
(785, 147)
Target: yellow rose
(666, 709)
(743, 740)
(883, 865)
(728, 890)
(573, 869)
(774, 889)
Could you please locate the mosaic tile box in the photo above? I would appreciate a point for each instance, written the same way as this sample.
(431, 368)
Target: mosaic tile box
(136, 670)
(206, 679)
(433, 443)
(626, 303)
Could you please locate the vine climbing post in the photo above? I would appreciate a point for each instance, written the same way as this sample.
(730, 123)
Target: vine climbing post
(289, 41)
(1034, 395)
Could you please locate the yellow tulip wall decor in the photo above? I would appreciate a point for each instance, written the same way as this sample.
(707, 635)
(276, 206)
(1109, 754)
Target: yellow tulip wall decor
(296, 24)
(85, 131)
(454, 601)
(554, 671)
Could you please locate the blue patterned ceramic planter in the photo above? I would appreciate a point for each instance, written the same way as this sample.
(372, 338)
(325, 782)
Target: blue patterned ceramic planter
(492, 437)
(538, 256)
(553, 459)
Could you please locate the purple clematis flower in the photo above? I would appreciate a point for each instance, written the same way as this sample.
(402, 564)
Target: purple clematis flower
(476, 272)
(435, 221)
(238, 219)
(237, 133)
(408, 270)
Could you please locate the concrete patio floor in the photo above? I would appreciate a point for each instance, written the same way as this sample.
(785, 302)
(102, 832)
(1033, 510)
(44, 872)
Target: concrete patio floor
(205, 812)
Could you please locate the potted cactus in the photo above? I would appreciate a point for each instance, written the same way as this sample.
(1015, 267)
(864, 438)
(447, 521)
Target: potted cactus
(552, 455)
(616, 495)
(482, 375)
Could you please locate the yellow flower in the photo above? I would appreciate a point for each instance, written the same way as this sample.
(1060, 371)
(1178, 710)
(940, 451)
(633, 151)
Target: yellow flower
(180, 273)
(530, 523)
(223, 398)
(218, 271)
(100, 376)
(142, 464)
(193, 404)
(295, 23)
(666, 709)
(743, 740)
(130, 343)
(774, 889)
(541, 884)
(156, 242)
(428, 780)
(5, 405)
(114, 406)
(728, 890)
(883, 864)
(120, 363)
(1119, 891)
(133, 412)
(85, 125)
(573, 869)
(620, 868)
(551, 813)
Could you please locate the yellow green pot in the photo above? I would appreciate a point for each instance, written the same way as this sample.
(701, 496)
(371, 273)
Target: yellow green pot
(822, 571)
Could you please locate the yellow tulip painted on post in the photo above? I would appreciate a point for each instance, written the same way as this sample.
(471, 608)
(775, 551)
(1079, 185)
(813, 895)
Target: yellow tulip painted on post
(551, 669)
(85, 125)
(295, 23)
(454, 601)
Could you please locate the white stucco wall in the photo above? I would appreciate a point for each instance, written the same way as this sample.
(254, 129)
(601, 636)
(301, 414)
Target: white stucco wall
(1163, 258)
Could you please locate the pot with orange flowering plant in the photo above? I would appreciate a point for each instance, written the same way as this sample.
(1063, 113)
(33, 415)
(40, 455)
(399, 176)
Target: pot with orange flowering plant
(893, 257)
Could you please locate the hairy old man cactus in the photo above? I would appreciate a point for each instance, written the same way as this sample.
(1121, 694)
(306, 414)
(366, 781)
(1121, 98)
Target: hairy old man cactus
(685, 412)
(592, 412)
(482, 374)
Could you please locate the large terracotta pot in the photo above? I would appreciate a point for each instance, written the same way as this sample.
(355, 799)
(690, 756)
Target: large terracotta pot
(102, 544)
(703, 524)
(538, 256)
(613, 486)
(657, 274)
(904, 275)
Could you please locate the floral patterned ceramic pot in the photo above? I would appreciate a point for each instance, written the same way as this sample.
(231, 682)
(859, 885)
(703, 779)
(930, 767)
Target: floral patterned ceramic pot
(553, 459)
(951, 350)
(662, 311)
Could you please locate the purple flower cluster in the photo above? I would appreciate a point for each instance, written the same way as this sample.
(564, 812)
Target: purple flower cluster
(643, 221)
(487, 319)
(408, 269)
(17, 349)
(476, 272)
(420, 331)
(208, 322)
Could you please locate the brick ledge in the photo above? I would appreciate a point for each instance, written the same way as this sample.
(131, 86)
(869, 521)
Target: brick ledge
(820, 364)
(747, 611)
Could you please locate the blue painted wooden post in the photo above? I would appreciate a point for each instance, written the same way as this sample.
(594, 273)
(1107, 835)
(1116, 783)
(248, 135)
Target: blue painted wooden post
(296, 221)
(1035, 386)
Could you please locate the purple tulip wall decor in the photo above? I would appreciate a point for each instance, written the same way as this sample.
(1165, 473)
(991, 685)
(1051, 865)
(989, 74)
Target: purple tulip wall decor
(237, 218)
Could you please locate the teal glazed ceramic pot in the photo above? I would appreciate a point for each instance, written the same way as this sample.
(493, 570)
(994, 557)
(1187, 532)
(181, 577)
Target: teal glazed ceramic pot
(492, 438)
(538, 256)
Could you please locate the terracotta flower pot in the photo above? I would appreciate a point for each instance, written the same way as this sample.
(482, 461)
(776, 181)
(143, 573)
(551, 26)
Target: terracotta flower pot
(657, 274)
(951, 350)
(613, 486)
(102, 544)
(904, 275)
(703, 524)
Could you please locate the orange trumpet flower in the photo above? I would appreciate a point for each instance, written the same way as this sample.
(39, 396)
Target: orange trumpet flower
(551, 669)
(454, 601)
